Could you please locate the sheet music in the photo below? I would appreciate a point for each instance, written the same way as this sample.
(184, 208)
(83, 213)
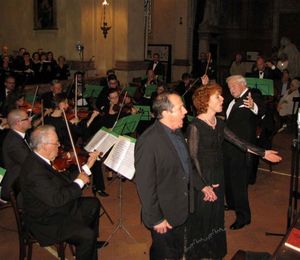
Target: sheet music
(102, 141)
(121, 158)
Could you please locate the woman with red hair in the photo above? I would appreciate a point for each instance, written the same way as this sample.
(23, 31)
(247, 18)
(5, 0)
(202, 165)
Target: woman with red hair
(206, 236)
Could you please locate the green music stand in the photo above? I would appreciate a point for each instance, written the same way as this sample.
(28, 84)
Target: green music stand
(149, 90)
(127, 124)
(266, 86)
(145, 111)
(130, 91)
(92, 90)
(2, 172)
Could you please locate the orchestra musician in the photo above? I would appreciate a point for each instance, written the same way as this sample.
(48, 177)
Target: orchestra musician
(14, 149)
(77, 130)
(54, 208)
(48, 97)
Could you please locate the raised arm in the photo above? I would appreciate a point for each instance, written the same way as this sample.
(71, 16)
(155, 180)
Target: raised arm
(245, 146)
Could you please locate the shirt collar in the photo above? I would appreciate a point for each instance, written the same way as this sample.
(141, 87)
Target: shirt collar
(20, 133)
(43, 158)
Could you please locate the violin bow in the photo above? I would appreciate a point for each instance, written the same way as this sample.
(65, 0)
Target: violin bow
(42, 111)
(34, 98)
(120, 109)
(192, 85)
(72, 142)
(206, 69)
(76, 96)
(208, 61)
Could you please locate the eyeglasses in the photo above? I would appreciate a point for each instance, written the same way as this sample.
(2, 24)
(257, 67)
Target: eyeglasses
(25, 119)
(57, 143)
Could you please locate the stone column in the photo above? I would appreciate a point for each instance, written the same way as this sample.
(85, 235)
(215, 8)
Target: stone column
(128, 39)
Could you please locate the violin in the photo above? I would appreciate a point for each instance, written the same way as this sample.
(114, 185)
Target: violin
(66, 159)
(27, 107)
(81, 114)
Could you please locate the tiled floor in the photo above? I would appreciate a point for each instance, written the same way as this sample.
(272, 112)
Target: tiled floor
(268, 198)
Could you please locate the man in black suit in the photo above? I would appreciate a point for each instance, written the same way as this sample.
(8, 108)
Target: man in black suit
(5, 91)
(265, 70)
(242, 115)
(163, 173)
(53, 206)
(157, 66)
(14, 149)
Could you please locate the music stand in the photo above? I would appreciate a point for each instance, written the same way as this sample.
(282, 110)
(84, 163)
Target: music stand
(130, 90)
(127, 125)
(120, 224)
(92, 91)
(150, 89)
(266, 86)
(145, 111)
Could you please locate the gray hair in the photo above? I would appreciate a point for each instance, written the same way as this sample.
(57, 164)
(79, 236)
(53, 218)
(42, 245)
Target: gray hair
(237, 79)
(162, 103)
(14, 116)
(40, 136)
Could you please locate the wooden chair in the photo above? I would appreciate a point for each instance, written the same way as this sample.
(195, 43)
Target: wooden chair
(26, 239)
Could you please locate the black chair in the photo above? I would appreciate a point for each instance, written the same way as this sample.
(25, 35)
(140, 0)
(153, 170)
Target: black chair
(26, 239)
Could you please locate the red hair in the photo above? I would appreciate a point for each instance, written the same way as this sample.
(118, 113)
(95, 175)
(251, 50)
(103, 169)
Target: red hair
(201, 96)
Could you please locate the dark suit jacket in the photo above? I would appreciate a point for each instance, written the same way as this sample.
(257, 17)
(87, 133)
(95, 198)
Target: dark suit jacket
(159, 69)
(268, 74)
(161, 182)
(242, 121)
(14, 151)
(48, 198)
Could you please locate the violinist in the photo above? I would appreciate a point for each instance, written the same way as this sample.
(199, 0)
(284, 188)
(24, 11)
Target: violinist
(56, 119)
(48, 97)
(151, 79)
(112, 83)
(80, 130)
(55, 209)
(183, 88)
(110, 114)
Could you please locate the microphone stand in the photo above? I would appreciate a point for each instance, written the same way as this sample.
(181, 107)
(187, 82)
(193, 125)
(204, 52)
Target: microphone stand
(294, 194)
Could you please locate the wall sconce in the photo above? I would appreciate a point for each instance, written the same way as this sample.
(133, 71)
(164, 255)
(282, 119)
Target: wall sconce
(104, 25)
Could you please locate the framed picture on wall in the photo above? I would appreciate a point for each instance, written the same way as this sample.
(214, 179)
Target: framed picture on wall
(164, 51)
(45, 15)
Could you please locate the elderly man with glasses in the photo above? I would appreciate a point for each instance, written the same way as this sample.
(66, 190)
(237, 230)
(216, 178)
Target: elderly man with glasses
(52, 201)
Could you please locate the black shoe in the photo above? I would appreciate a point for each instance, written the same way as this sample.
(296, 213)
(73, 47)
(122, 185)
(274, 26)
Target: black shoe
(237, 225)
(102, 193)
(100, 244)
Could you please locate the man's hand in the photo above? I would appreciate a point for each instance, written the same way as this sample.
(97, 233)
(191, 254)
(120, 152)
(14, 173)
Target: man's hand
(84, 177)
(92, 158)
(209, 194)
(162, 227)
(272, 156)
(248, 102)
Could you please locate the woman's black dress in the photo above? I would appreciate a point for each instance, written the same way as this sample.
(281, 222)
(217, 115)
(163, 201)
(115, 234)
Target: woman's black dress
(206, 235)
